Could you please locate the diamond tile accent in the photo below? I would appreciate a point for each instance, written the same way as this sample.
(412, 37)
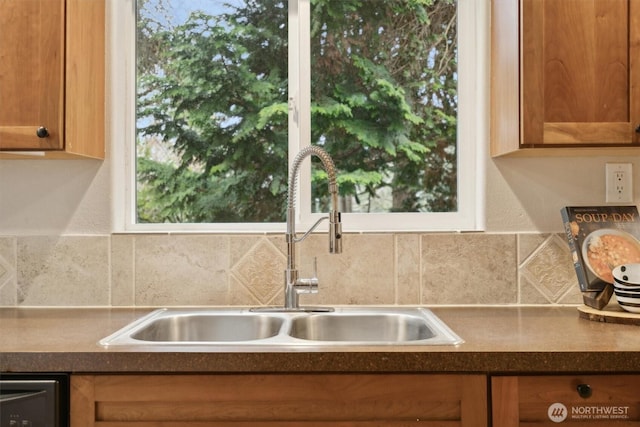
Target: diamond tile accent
(6, 271)
(261, 271)
(549, 269)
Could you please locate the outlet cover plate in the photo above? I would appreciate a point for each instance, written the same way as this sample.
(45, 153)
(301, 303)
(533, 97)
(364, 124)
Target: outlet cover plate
(619, 183)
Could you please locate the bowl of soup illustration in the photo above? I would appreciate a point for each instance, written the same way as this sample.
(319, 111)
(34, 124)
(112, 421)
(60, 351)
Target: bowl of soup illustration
(607, 248)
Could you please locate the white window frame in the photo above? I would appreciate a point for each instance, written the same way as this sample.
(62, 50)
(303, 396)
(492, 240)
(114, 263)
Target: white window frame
(473, 131)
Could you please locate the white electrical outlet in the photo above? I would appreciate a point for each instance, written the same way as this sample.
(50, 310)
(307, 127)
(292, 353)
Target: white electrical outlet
(619, 183)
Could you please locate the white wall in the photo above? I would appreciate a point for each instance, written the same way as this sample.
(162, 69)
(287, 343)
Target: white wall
(526, 194)
(74, 196)
(52, 197)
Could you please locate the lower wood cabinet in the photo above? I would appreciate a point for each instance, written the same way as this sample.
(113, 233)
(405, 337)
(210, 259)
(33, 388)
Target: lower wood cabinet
(261, 400)
(580, 400)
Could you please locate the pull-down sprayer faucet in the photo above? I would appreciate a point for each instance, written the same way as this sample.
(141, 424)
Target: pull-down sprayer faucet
(293, 284)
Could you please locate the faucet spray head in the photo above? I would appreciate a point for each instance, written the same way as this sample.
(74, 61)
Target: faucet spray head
(335, 232)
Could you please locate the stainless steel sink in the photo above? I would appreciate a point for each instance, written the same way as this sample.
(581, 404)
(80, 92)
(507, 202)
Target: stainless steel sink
(205, 327)
(356, 327)
(225, 327)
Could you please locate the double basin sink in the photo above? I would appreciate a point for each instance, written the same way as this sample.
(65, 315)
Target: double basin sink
(352, 326)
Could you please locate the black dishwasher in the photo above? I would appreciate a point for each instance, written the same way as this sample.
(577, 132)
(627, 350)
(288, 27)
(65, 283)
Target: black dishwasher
(34, 400)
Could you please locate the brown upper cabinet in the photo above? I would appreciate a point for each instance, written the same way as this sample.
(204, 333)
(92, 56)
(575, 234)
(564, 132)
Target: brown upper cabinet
(565, 77)
(52, 78)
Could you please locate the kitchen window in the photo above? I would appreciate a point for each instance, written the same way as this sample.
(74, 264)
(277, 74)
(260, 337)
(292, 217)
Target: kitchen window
(220, 95)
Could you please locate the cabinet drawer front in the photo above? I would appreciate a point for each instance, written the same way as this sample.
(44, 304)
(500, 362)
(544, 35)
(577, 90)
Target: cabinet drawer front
(582, 400)
(283, 400)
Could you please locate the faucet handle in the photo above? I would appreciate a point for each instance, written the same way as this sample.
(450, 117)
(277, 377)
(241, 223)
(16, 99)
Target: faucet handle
(315, 268)
(310, 285)
(307, 286)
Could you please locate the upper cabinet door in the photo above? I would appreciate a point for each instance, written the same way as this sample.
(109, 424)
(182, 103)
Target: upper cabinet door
(31, 74)
(580, 72)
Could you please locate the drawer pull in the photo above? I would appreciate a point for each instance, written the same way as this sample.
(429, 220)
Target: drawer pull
(584, 390)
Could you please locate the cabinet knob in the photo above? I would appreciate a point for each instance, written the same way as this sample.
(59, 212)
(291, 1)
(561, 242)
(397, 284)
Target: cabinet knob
(42, 132)
(584, 390)
(638, 129)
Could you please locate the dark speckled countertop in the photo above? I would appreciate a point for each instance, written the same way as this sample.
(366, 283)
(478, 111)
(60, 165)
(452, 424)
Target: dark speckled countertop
(497, 340)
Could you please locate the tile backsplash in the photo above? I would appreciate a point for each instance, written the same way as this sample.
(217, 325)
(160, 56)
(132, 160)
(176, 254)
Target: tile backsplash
(248, 270)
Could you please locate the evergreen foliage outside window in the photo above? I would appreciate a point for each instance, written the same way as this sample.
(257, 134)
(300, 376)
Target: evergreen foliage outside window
(213, 107)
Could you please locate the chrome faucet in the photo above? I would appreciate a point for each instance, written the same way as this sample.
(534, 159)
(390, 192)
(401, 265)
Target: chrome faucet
(293, 284)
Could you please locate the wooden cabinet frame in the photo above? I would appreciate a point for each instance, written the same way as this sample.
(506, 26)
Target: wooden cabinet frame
(270, 400)
(80, 109)
(32, 74)
(532, 400)
(516, 112)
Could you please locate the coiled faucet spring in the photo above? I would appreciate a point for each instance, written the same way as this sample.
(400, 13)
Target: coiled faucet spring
(293, 284)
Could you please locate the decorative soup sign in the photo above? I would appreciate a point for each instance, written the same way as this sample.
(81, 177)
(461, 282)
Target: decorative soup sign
(559, 412)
